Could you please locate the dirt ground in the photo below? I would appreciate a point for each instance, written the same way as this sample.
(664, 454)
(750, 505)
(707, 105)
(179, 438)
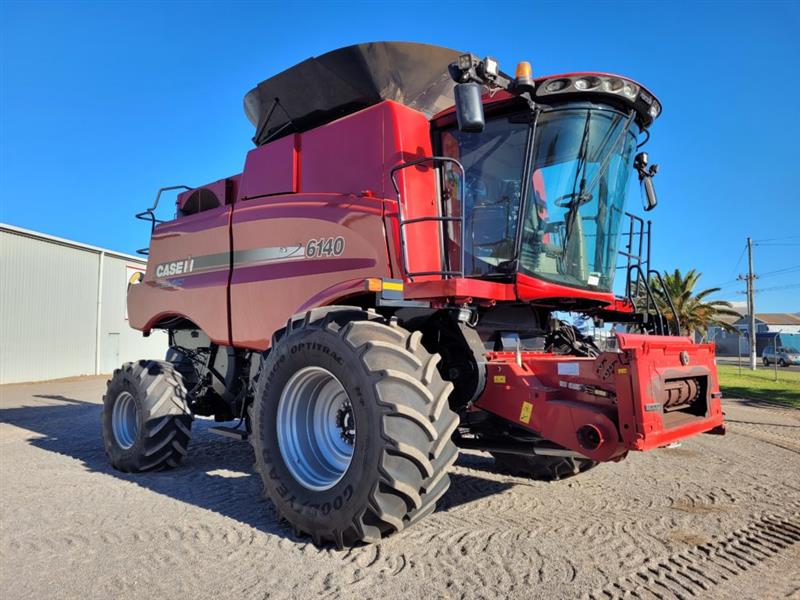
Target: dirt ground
(718, 517)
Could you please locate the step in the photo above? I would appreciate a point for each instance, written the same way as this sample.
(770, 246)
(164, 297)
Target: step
(231, 432)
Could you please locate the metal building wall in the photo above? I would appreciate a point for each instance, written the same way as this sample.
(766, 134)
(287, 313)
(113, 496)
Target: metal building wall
(49, 309)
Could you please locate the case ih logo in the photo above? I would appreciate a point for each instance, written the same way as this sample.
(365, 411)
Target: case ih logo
(176, 267)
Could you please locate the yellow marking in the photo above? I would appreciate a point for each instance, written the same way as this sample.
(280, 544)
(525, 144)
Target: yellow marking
(393, 286)
(622, 371)
(525, 413)
(499, 379)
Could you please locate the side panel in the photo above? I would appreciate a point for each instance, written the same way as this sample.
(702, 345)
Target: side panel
(299, 251)
(408, 138)
(187, 274)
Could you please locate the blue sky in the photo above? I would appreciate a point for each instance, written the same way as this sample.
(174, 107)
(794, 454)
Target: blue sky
(103, 103)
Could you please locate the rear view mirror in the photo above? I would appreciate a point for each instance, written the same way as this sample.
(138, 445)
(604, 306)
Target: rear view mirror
(469, 108)
(649, 198)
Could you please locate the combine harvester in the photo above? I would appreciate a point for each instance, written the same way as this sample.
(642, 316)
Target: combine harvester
(377, 289)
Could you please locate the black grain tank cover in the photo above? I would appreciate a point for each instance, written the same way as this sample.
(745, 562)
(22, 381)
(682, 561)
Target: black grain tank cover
(343, 81)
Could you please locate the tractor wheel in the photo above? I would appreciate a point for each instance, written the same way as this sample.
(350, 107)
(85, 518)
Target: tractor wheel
(351, 427)
(146, 423)
(544, 468)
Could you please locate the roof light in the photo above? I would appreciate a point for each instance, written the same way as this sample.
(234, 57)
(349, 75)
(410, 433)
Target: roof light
(630, 93)
(467, 61)
(490, 66)
(655, 109)
(556, 85)
(587, 83)
(524, 71)
(523, 80)
(629, 90)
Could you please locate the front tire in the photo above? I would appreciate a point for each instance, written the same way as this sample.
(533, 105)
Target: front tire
(766, 362)
(146, 423)
(782, 363)
(344, 376)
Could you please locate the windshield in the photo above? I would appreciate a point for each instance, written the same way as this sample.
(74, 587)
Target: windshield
(574, 185)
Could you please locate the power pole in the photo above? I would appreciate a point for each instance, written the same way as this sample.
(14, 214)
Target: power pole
(751, 304)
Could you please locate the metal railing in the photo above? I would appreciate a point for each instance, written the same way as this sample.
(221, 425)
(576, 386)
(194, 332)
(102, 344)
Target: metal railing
(149, 214)
(440, 218)
(637, 255)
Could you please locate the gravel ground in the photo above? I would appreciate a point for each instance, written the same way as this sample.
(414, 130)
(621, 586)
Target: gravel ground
(718, 517)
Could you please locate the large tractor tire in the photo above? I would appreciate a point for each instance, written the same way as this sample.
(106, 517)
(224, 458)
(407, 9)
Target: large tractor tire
(351, 427)
(544, 468)
(146, 423)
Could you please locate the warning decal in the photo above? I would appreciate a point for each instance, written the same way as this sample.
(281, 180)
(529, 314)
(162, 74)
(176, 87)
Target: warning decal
(525, 413)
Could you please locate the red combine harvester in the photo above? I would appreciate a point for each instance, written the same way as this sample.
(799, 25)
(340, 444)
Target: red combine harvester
(378, 288)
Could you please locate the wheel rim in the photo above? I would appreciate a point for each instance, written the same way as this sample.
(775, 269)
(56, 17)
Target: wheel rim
(125, 420)
(316, 428)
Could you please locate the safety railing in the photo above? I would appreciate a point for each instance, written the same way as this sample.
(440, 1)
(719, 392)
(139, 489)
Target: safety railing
(149, 215)
(636, 252)
(440, 218)
(638, 240)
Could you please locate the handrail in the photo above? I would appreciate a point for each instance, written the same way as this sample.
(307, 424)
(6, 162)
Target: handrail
(440, 218)
(669, 299)
(149, 214)
(660, 328)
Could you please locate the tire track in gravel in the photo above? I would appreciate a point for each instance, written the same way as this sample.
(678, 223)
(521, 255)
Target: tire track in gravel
(694, 572)
(203, 531)
(783, 437)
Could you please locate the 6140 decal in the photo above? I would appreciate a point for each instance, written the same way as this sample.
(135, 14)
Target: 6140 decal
(331, 246)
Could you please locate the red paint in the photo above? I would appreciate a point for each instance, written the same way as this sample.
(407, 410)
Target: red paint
(562, 402)
(271, 169)
(530, 288)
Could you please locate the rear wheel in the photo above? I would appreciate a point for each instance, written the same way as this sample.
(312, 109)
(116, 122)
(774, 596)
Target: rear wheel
(351, 427)
(545, 468)
(146, 423)
(766, 362)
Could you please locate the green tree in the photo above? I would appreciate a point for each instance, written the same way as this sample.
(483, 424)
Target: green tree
(694, 311)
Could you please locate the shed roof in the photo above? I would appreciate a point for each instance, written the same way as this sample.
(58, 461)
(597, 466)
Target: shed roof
(69, 243)
(774, 318)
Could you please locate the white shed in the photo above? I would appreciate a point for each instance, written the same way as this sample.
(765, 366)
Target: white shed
(63, 310)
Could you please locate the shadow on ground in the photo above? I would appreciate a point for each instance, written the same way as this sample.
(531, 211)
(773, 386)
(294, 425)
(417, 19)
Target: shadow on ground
(216, 475)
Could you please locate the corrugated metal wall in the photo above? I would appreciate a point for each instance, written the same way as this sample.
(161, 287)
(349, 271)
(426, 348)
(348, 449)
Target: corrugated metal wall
(49, 309)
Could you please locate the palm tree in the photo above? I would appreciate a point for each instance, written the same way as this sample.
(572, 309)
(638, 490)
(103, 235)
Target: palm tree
(694, 312)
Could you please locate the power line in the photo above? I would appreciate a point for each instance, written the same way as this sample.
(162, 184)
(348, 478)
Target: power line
(735, 267)
(779, 287)
(773, 288)
(768, 274)
(778, 239)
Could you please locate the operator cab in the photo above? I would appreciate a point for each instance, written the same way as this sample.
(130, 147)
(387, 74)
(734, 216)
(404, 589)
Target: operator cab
(545, 179)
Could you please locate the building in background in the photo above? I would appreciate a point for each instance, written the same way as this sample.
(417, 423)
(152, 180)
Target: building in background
(768, 325)
(63, 309)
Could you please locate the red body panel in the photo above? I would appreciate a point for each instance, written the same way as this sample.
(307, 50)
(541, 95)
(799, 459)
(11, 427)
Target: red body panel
(202, 298)
(267, 290)
(331, 183)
